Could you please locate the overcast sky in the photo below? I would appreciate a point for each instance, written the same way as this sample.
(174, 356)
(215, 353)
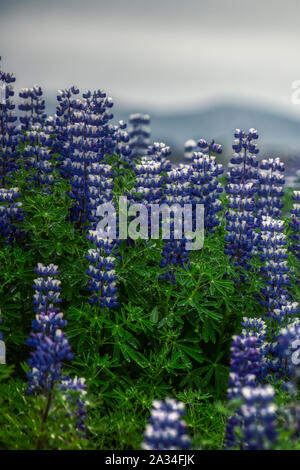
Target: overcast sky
(163, 54)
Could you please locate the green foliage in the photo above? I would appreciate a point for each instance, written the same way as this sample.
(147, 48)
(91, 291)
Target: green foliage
(164, 340)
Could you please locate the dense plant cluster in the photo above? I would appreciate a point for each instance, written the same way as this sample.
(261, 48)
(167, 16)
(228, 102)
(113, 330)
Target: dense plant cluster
(150, 331)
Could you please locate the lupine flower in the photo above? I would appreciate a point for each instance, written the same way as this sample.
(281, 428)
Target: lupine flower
(270, 188)
(149, 180)
(258, 417)
(246, 364)
(51, 348)
(10, 212)
(190, 147)
(38, 156)
(166, 431)
(258, 328)
(101, 271)
(121, 138)
(159, 153)
(206, 187)
(139, 133)
(280, 306)
(177, 192)
(209, 147)
(75, 390)
(47, 288)
(100, 185)
(286, 350)
(33, 107)
(68, 104)
(91, 138)
(241, 188)
(8, 131)
(295, 225)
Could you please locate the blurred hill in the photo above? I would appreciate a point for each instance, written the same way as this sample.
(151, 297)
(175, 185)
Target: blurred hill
(279, 134)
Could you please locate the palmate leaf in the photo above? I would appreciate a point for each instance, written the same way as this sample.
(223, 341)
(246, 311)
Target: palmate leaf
(132, 355)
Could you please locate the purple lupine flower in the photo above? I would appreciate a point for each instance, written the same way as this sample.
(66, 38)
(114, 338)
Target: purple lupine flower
(32, 106)
(9, 134)
(122, 144)
(38, 155)
(100, 185)
(139, 133)
(101, 271)
(286, 350)
(280, 306)
(149, 181)
(190, 147)
(246, 365)
(206, 187)
(209, 147)
(159, 152)
(258, 417)
(46, 288)
(176, 194)
(241, 188)
(10, 213)
(270, 188)
(258, 328)
(51, 348)
(91, 138)
(68, 104)
(75, 391)
(295, 225)
(166, 430)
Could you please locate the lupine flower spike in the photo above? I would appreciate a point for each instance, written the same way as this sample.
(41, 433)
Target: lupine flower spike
(295, 225)
(9, 134)
(166, 430)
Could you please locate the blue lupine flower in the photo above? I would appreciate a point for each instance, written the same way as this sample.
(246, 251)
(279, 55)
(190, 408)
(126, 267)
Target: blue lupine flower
(51, 348)
(159, 152)
(47, 288)
(139, 133)
(166, 431)
(206, 187)
(122, 145)
(149, 180)
(241, 188)
(176, 193)
(33, 107)
(286, 350)
(10, 213)
(280, 306)
(295, 225)
(91, 138)
(270, 188)
(37, 155)
(68, 104)
(9, 134)
(75, 390)
(258, 418)
(246, 367)
(190, 147)
(100, 185)
(101, 271)
(209, 147)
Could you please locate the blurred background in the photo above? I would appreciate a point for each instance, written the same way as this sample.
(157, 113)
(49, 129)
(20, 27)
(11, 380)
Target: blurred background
(200, 68)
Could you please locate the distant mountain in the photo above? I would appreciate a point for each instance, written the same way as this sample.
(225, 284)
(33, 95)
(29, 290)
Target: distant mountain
(279, 134)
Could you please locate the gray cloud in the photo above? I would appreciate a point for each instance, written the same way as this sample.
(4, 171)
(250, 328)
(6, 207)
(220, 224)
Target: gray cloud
(165, 54)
